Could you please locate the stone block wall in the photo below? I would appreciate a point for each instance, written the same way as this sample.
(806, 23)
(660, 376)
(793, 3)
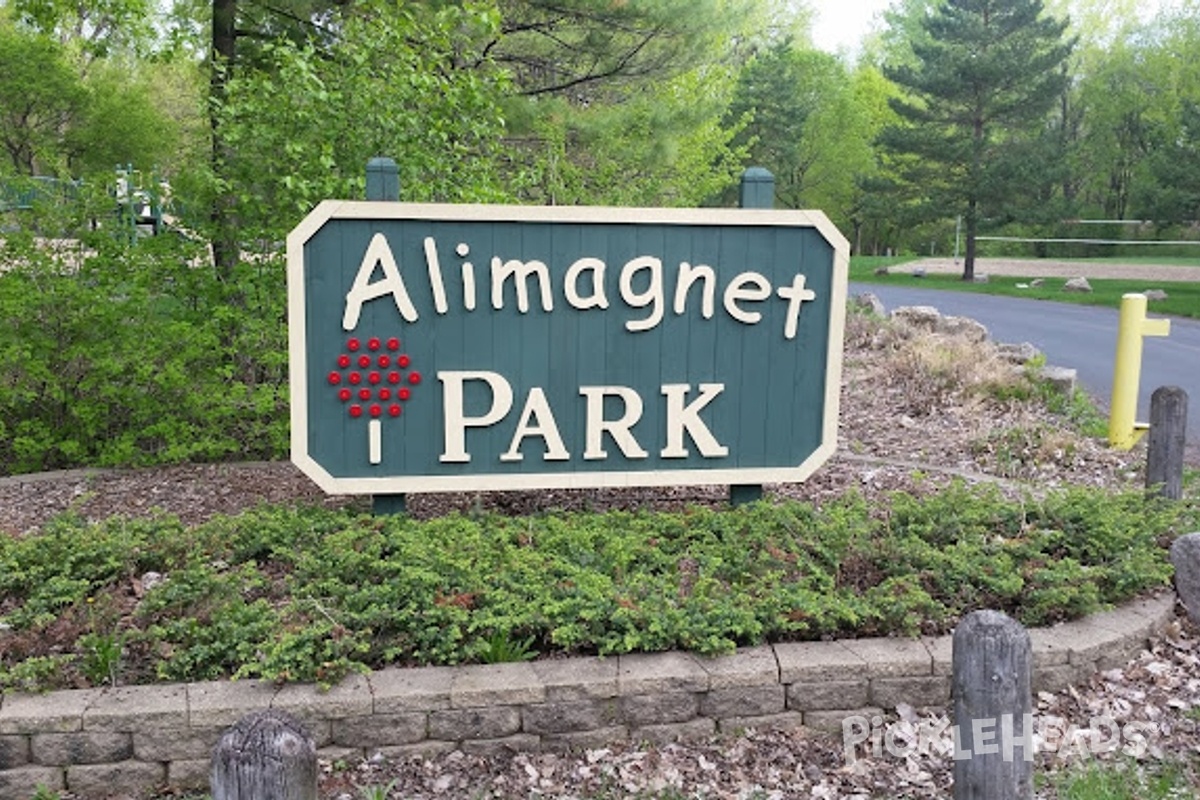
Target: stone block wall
(134, 739)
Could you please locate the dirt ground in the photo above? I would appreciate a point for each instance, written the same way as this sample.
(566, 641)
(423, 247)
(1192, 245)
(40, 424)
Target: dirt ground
(1043, 268)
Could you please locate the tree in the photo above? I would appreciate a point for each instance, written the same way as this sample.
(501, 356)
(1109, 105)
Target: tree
(984, 77)
(805, 126)
(40, 97)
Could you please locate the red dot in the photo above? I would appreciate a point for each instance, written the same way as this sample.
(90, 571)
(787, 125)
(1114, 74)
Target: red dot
(335, 378)
(393, 343)
(414, 378)
(364, 361)
(356, 411)
(394, 410)
(375, 410)
(355, 378)
(374, 377)
(403, 361)
(364, 394)
(385, 394)
(404, 393)
(393, 377)
(343, 361)
(345, 394)
(352, 345)
(373, 343)
(385, 362)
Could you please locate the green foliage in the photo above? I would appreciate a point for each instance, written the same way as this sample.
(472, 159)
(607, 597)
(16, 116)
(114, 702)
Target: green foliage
(312, 594)
(1126, 780)
(124, 355)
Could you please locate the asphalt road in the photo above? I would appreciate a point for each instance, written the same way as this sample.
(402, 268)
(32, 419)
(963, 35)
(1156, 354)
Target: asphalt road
(1081, 337)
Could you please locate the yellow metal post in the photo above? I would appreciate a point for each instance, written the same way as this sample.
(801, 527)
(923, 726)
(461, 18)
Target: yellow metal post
(1123, 431)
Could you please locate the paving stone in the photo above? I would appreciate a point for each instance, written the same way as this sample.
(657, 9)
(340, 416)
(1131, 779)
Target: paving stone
(333, 754)
(1160, 609)
(892, 658)
(814, 662)
(832, 721)
(744, 701)
(654, 709)
(496, 685)
(572, 679)
(584, 740)
(648, 673)
(941, 650)
(402, 752)
(125, 777)
(14, 751)
(1084, 641)
(21, 782)
(827, 696)
(673, 732)
(783, 721)
(474, 723)
(349, 698)
(220, 704)
(491, 748)
(83, 747)
(54, 712)
(421, 689)
(138, 708)
(557, 718)
(1058, 677)
(751, 666)
(1047, 649)
(918, 692)
(184, 744)
(192, 774)
(380, 730)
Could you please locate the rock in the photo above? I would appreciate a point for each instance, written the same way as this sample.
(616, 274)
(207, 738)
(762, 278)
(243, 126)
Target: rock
(980, 279)
(1021, 353)
(964, 327)
(1155, 294)
(1185, 555)
(918, 273)
(1036, 282)
(1078, 285)
(1061, 379)
(869, 303)
(1022, 285)
(920, 317)
(882, 271)
(150, 580)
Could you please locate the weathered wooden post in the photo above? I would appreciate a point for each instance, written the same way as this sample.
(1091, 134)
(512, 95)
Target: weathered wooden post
(383, 185)
(267, 755)
(1168, 436)
(757, 191)
(993, 709)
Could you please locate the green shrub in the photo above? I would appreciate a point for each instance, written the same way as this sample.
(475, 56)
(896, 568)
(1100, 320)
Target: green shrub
(312, 594)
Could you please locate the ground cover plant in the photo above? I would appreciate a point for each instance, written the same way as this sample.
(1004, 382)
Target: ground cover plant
(307, 594)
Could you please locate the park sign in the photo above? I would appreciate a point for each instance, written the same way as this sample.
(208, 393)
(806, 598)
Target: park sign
(463, 347)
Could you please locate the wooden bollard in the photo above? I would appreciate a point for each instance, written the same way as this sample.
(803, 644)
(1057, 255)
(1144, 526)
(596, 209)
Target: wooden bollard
(267, 755)
(993, 709)
(1166, 442)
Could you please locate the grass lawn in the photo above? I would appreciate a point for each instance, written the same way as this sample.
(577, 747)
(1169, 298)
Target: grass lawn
(1183, 298)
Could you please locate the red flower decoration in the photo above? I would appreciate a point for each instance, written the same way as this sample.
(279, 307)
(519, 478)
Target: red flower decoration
(360, 370)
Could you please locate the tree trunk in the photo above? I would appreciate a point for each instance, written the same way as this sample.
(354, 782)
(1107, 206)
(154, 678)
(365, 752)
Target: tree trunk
(969, 257)
(224, 53)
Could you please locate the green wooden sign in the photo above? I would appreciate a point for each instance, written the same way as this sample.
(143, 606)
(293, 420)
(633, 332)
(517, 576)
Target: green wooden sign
(447, 348)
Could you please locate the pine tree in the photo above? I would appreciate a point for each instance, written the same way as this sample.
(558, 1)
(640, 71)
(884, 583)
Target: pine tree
(985, 77)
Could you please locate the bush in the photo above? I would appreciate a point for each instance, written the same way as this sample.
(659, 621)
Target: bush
(310, 594)
(113, 354)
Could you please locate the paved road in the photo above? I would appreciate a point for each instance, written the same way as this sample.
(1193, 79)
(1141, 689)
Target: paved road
(1083, 337)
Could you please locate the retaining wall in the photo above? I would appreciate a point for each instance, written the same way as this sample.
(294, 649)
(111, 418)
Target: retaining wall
(97, 742)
